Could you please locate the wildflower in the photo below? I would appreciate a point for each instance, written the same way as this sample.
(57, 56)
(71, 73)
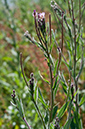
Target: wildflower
(40, 25)
(41, 22)
(27, 34)
(41, 16)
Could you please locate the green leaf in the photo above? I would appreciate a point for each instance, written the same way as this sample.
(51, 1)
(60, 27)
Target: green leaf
(13, 104)
(77, 119)
(51, 60)
(64, 87)
(55, 83)
(46, 117)
(6, 58)
(26, 60)
(82, 101)
(43, 78)
(80, 125)
(70, 34)
(41, 99)
(67, 124)
(72, 125)
(40, 46)
(70, 61)
(68, 45)
(20, 107)
(78, 38)
(76, 92)
(62, 110)
(81, 68)
(55, 108)
(35, 92)
(5, 83)
(51, 126)
(53, 40)
(14, 52)
(55, 68)
(56, 89)
(68, 66)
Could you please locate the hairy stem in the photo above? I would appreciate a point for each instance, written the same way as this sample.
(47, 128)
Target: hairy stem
(61, 50)
(23, 70)
(51, 74)
(69, 8)
(50, 26)
(79, 15)
(26, 123)
(74, 30)
(39, 113)
(74, 56)
(62, 34)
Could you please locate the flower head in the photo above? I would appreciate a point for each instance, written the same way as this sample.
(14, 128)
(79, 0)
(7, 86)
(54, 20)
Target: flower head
(34, 13)
(40, 25)
(41, 16)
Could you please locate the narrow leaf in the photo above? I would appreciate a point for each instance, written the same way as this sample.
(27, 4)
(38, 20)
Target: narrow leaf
(20, 108)
(55, 108)
(67, 124)
(76, 93)
(53, 40)
(56, 89)
(64, 86)
(35, 92)
(55, 83)
(41, 99)
(68, 66)
(46, 117)
(43, 78)
(82, 101)
(54, 72)
(62, 110)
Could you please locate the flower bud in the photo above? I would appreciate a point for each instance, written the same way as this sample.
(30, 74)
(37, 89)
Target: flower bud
(32, 79)
(31, 75)
(13, 91)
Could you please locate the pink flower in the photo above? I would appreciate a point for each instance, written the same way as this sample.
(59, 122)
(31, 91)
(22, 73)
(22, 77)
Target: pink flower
(41, 16)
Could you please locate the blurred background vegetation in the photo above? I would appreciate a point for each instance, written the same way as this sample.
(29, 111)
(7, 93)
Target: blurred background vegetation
(15, 18)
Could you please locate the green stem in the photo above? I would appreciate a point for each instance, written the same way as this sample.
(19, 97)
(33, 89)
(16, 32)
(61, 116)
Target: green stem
(39, 113)
(69, 8)
(23, 70)
(50, 26)
(26, 123)
(79, 15)
(74, 55)
(51, 84)
(51, 74)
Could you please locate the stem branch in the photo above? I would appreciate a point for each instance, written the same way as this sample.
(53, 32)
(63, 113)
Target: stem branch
(23, 70)
(26, 123)
(39, 113)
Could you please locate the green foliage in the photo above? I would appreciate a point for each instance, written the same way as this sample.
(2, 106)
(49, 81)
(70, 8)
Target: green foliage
(67, 124)
(62, 110)
(82, 101)
(66, 66)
